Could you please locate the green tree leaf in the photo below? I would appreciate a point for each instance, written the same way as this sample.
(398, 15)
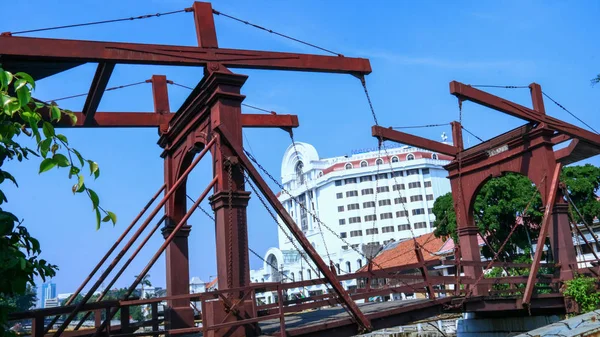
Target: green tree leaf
(47, 164)
(5, 79)
(24, 96)
(93, 167)
(94, 197)
(44, 146)
(98, 216)
(55, 114)
(81, 161)
(63, 138)
(61, 160)
(48, 130)
(27, 78)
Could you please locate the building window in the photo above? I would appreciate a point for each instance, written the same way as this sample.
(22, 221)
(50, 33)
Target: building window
(293, 277)
(371, 217)
(348, 166)
(385, 202)
(419, 225)
(372, 231)
(343, 235)
(342, 221)
(351, 194)
(434, 156)
(398, 187)
(355, 233)
(395, 159)
(366, 178)
(344, 247)
(429, 197)
(410, 157)
(310, 274)
(397, 174)
(401, 200)
(359, 264)
(354, 219)
(348, 267)
(339, 195)
(352, 207)
(418, 211)
(340, 208)
(430, 224)
(425, 171)
(403, 227)
(427, 183)
(354, 246)
(382, 176)
(387, 229)
(364, 163)
(338, 183)
(368, 204)
(411, 172)
(383, 216)
(415, 184)
(350, 181)
(416, 198)
(400, 214)
(430, 210)
(337, 266)
(366, 191)
(379, 161)
(382, 189)
(300, 172)
(320, 174)
(388, 241)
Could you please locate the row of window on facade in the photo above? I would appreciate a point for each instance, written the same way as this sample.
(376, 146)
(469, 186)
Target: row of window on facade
(384, 216)
(380, 176)
(385, 202)
(386, 229)
(382, 189)
(380, 161)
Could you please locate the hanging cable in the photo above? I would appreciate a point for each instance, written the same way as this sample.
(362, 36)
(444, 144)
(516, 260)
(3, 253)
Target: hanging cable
(243, 104)
(276, 33)
(147, 16)
(419, 126)
(472, 134)
(569, 112)
(108, 89)
(250, 249)
(284, 190)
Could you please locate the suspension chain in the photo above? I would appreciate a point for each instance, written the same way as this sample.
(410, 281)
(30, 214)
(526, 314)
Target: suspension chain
(284, 190)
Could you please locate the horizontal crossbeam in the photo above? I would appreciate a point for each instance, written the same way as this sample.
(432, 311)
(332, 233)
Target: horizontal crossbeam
(405, 138)
(466, 92)
(152, 119)
(49, 51)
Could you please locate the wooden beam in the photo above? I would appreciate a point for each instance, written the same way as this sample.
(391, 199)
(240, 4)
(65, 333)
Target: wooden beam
(358, 316)
(539, 249)
(60, 50)
(204, 20)
(467, 92)
(99, 83)
(269, 121)
(405, 138)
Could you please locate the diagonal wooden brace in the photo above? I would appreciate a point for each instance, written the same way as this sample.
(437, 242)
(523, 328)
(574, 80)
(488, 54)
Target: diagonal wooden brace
(237, 149)
(542, 236)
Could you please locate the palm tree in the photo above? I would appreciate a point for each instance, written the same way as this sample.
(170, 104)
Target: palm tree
(144, 282)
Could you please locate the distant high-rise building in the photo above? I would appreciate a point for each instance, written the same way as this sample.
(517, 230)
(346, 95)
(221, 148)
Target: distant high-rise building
(48, 293)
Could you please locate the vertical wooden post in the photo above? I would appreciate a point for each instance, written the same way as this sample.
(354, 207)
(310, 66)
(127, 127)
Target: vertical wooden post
(37, 325)
(125, 319)
(154, 308)
(281, 312)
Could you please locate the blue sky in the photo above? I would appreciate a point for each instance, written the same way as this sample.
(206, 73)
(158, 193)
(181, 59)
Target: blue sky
(415, 48)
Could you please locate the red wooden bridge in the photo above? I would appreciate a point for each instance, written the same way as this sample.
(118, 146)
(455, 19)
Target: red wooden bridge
(210, 120)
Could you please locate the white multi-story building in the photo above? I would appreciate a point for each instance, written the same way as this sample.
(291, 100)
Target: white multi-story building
(351, 204)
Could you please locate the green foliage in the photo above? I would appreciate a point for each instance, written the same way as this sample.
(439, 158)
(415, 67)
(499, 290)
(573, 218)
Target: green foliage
(596, 80)
(582, 183)
(21, 117)
(584, 291)
(497, 206)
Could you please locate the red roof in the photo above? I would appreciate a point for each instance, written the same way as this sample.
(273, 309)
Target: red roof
(404, 252)
(386, 159)
(449, 245)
